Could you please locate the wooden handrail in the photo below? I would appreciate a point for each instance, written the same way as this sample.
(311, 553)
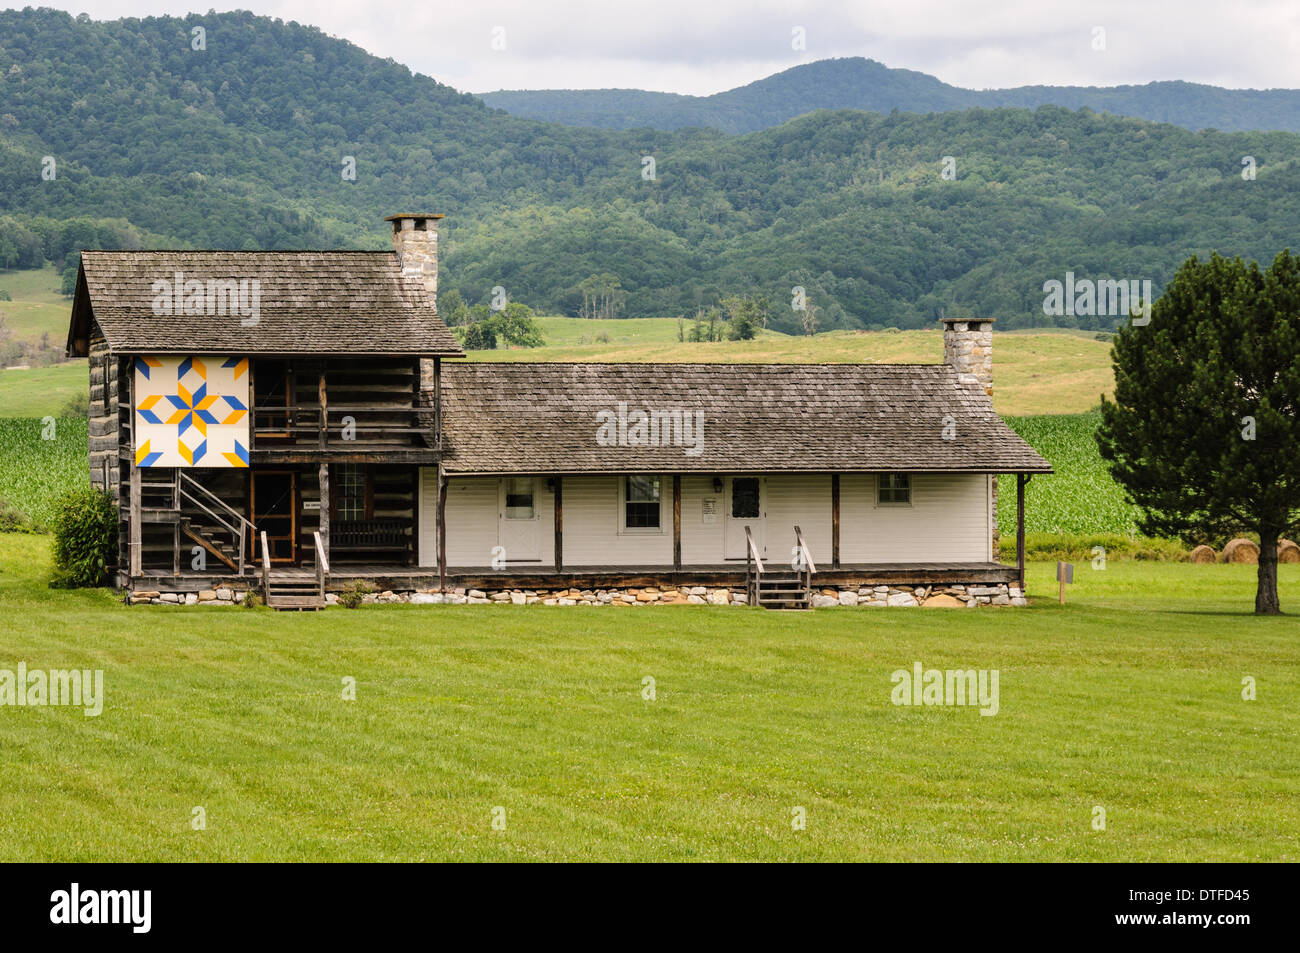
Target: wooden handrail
(749, 539)
(266, 568)
(240, 534)
(322, 563)
(752, 560)
(807, 553)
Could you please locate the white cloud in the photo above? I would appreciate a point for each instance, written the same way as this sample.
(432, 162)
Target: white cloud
(699, 48)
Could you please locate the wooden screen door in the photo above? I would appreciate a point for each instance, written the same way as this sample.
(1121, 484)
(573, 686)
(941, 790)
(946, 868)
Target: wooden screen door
(274, 505)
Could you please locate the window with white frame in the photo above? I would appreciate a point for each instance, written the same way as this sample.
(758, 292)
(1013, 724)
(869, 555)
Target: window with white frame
(894, 489)
(641, 510)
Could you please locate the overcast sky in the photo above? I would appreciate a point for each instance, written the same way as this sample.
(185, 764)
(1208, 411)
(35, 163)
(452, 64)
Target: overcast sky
(704, 46)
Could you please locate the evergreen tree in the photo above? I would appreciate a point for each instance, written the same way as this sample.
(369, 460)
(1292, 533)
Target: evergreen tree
(1204, 431)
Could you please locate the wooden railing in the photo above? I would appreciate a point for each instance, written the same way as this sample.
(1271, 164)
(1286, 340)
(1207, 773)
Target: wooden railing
(805, 558)
(233, 521)
(266, 569)
(753, 568)
(327, 427)
(322, 564)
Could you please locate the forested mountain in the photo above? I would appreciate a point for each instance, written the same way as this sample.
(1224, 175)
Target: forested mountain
(857, 83)
(244, 145)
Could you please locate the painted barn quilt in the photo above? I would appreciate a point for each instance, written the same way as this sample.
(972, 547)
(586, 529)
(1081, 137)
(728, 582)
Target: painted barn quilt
(191, 412)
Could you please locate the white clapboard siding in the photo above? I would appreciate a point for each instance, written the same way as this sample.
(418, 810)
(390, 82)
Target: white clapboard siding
(473, 512)
(803, 500)
(591, 526)
(702, 543)
(948, 520)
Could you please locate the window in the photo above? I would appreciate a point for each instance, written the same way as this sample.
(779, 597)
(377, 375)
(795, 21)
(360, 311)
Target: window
(350, 495)
(519, 499)
(641, 506)
(744, 498)
(894, 488)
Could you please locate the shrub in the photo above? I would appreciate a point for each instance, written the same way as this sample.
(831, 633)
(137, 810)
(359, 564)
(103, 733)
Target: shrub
(250, 600)
(85, 537)
(78, 405)
(354, 595)
(5, 296)
(1078, 547)
(14, 520)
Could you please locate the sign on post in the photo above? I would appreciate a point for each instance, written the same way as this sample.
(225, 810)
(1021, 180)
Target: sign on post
(1064, 574)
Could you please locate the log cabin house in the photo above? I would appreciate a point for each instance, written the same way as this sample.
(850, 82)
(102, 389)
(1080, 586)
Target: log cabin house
(300, 420)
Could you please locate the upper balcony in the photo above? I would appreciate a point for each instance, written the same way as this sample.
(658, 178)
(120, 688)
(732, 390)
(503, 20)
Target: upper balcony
(367, 409)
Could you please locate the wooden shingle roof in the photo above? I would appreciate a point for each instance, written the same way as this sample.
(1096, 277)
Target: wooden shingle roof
(309, 302)
(546, 418)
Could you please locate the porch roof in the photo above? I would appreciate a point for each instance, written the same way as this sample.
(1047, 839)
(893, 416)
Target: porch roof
(309, 302)
(580, 418)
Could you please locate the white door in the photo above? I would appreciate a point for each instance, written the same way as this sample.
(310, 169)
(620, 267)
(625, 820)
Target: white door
(745, 504)
(519, 532)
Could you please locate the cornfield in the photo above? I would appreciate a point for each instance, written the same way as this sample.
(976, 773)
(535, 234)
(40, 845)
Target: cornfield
(1080, 497)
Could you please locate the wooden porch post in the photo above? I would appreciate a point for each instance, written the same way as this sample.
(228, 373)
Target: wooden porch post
(1021, 480)
(325, 508)
(135, 538)
(677, 522)
(137, 534)
(559, 524)
(324, 427)
(835, 521)
(442, 530)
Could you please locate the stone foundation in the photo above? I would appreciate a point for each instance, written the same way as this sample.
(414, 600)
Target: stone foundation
(954, 596)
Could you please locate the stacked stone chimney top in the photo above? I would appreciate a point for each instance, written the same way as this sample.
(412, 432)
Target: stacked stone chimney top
(968, 349)
(415, 240)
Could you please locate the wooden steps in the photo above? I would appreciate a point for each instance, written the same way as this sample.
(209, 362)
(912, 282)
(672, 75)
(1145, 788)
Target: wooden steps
(294, 593)
(206, 537)
(783, 591)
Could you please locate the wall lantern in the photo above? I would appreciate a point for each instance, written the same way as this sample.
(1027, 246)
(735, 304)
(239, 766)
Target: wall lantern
(717, 484)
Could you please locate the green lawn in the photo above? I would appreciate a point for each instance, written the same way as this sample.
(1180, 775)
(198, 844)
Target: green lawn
(1128, 698)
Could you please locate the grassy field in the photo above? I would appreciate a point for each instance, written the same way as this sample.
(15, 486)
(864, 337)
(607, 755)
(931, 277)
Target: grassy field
(37, 306)
(1034, 373)
(41, 390)
(1128, 698)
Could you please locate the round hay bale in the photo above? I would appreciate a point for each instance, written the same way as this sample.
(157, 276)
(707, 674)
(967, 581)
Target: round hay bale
(1240, 551)
(1287, 551)
(1202, 554)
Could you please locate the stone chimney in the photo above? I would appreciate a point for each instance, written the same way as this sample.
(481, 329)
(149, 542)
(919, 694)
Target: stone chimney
(415, 239)
(968, 347)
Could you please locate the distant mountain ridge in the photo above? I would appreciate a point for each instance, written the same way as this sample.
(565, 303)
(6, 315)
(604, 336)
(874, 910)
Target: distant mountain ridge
(117, 134)
(858, 83)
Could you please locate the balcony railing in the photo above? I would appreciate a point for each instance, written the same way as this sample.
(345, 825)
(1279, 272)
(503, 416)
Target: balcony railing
(344, 426)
